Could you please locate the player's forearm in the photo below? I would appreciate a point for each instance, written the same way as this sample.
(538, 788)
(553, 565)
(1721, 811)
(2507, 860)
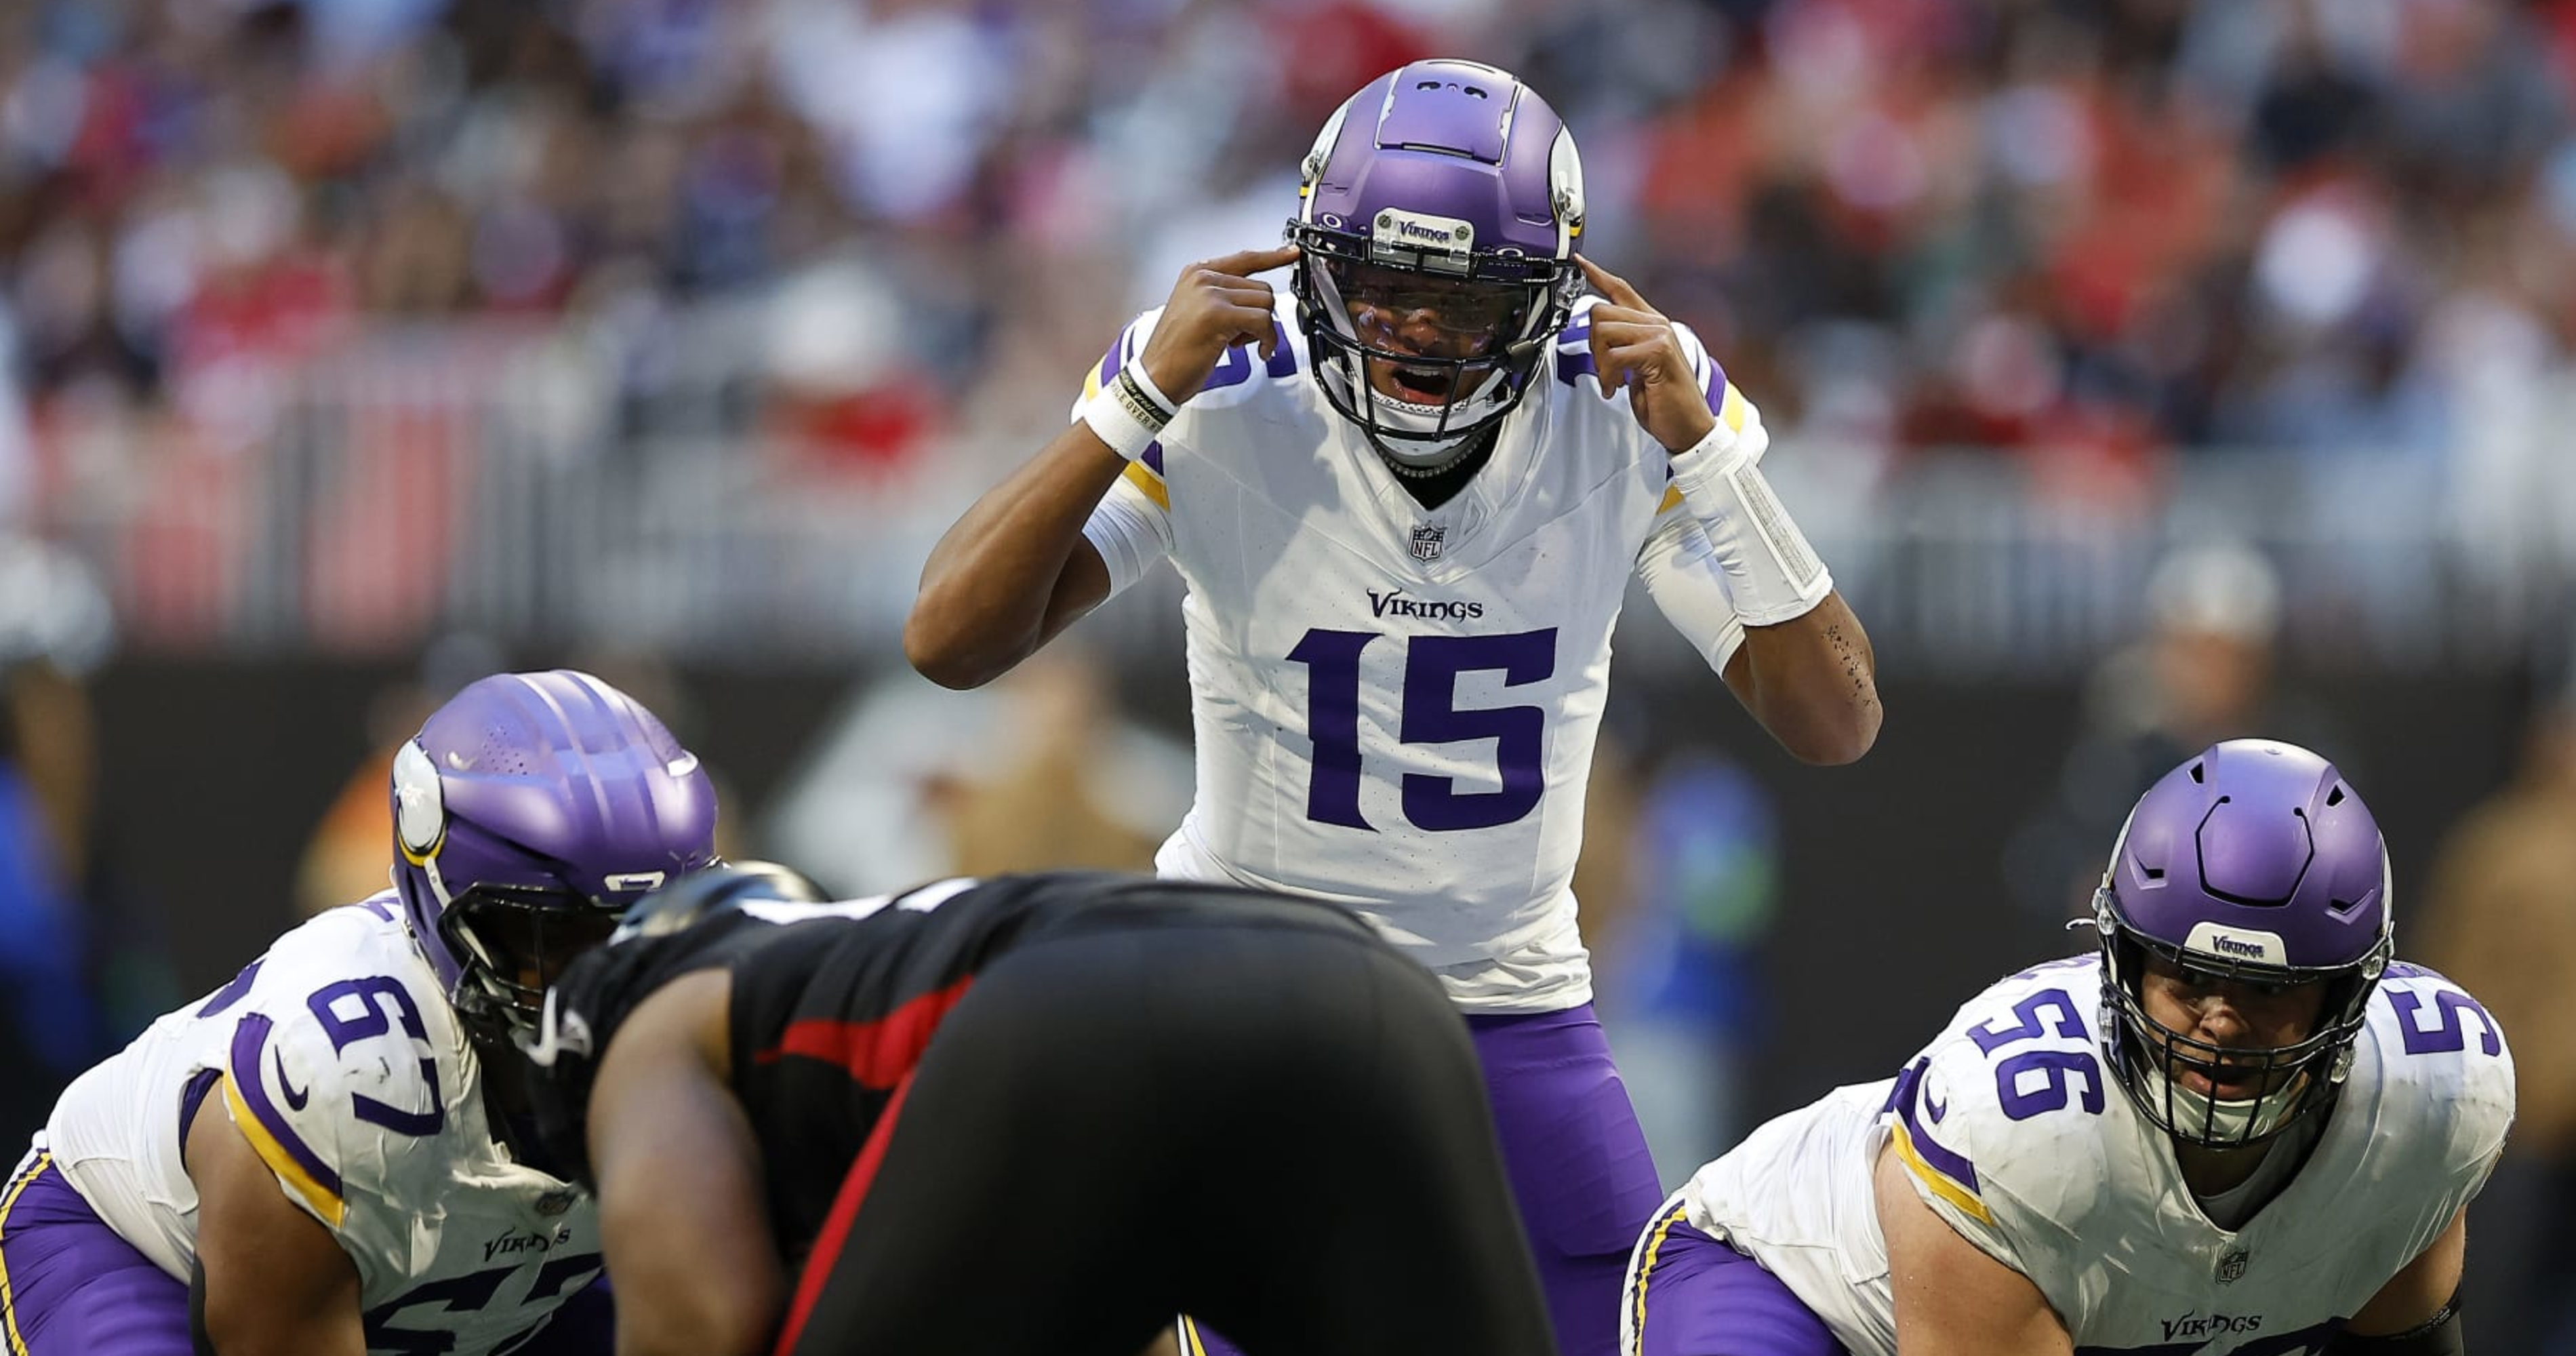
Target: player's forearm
(990, 592)
(1812, 682)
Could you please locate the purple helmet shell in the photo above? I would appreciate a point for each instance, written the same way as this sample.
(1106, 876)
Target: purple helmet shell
(529, 811)
(2254, 863)
(1457, 175)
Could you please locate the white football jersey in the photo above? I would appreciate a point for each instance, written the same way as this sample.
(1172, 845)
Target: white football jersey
(1395, 706)
(2016, 1133)
(337, 1055)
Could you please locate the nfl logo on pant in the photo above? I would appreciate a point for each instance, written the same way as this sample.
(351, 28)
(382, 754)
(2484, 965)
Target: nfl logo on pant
(1427, 539)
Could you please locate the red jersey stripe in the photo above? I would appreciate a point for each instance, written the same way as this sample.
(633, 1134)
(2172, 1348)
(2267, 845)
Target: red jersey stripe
(877, 1053)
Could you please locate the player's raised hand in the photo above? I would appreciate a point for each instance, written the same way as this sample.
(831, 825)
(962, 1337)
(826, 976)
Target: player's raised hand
(1215, 306)
(1635, 349)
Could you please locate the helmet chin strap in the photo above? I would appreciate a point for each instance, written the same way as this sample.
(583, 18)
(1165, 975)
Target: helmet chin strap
(2245, 1118)
(1422, 455)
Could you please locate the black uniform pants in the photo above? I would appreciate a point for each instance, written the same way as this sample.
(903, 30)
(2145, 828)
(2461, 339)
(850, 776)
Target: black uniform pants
(1275, 1125)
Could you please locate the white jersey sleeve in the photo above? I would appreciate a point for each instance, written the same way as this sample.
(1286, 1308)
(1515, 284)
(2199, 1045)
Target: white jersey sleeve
(1996, 1120)
(344, 1093)
(2445, 1092)
(1131, 526)
(1680, 569)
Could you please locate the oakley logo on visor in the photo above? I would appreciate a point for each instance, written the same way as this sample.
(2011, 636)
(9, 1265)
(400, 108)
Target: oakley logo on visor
(634, 880)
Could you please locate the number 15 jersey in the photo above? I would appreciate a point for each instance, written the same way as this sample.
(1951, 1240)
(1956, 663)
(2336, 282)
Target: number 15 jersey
(1395, 706)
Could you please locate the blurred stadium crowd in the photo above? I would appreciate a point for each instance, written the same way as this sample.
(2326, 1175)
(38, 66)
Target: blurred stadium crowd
(2116, 227)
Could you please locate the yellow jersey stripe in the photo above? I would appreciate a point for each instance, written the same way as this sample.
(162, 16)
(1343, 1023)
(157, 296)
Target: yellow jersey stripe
(1646, 1266)
(1672, 499)
(8, 1299)
(1144, 479)
(1190, 1343)
(1091, 382)
(1735, 409)
(1932, 1177)
(322, 1200)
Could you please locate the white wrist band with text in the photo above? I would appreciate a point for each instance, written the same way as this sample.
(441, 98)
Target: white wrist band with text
(1770, 572)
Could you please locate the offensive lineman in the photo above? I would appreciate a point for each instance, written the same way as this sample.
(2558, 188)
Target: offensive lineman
(1407, 498)
(333, 1153)
(960, 1120)
(2299, 1127)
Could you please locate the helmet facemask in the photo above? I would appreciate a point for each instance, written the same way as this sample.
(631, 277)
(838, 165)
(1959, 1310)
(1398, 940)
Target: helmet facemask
(1456, 338)
(2255, 1092)
(512, 942)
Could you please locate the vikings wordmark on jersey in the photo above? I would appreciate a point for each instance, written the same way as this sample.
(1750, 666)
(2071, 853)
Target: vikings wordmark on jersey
(2013, 1131)
(1393, 697)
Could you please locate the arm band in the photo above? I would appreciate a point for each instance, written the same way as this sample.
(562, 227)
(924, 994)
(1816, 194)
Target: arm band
(2435, 1336)
(1128, 414)
(1772, 575)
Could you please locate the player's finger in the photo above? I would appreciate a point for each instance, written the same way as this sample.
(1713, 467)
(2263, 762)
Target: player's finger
(1608, 371)
(1623, 332)
(1607, 314)
(1245, 263)
(1645, 362)
(1611, 285)
(1253, 295)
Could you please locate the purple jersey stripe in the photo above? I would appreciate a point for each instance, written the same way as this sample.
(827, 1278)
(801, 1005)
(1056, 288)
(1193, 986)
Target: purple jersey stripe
(192, 1095)
(1153, 456)
(1908, 1098)
(232, 993)
(1577, 363)
(250, 1040)
(1116, 357)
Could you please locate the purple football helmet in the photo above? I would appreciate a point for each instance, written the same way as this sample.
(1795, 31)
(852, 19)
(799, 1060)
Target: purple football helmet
(529, 812)
(1438, 214)
(2254, 862)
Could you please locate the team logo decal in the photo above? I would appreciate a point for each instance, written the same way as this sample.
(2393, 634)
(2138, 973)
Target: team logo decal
(2231, 1267)
(420, 807)
(1427, 541)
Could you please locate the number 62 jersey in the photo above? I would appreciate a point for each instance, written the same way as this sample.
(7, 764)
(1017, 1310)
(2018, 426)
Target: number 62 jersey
(338, 1057)
(1395, 706)
(2013, 1131)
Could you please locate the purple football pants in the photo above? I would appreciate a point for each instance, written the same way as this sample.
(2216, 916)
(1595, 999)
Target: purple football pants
(1579, 1168)
(1695, 1296)
(75, 1288)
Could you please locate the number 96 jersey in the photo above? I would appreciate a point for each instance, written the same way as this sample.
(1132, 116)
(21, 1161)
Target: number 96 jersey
(339, 1060)
(1395, 706)
(2012, 1130)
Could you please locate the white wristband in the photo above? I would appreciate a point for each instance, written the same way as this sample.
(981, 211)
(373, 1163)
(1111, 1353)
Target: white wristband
(1770, 573)
(1145, 386)
(1123, 415)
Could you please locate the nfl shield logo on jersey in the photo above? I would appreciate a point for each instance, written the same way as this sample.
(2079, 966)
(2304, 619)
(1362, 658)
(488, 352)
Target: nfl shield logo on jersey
(1426, 541)
(2231, 1267)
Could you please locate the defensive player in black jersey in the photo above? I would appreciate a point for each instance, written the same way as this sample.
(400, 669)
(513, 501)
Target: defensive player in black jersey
(962, 1119)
